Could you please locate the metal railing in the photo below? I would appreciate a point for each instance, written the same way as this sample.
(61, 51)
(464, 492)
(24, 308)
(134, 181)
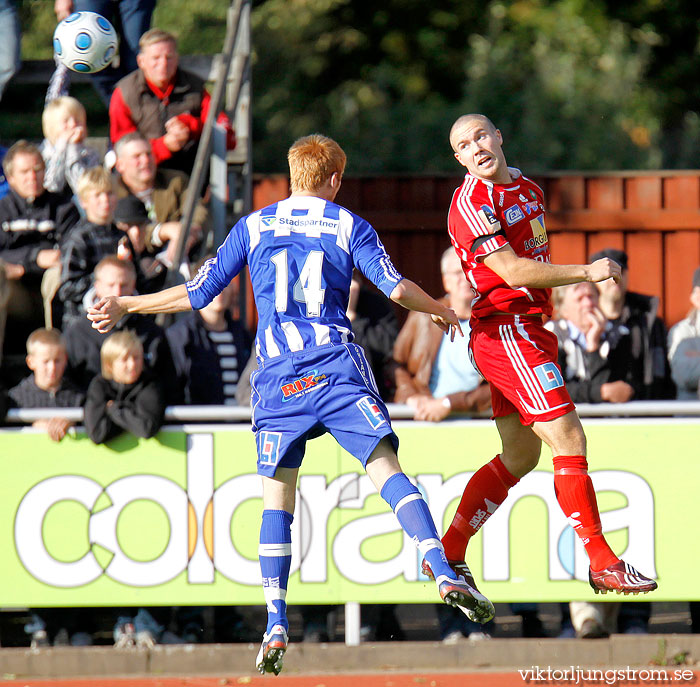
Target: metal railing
(215, 413)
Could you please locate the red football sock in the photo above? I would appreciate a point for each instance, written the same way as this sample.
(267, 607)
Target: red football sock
(576, 496)
(485, 491)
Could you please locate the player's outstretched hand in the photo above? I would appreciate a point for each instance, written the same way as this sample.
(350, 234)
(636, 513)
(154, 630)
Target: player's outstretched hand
(449, 323)
(603, 269)
(106, 313)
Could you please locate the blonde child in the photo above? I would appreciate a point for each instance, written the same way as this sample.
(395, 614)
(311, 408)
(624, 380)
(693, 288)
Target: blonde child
(47, 387)
(93, 238)
(64, 151)
(124, 397)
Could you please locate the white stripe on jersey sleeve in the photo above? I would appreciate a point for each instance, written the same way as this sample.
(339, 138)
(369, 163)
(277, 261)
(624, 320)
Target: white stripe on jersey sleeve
(270, 346)
(253, 224)
(291, 333)
(389, 270)
(323, 333)
(466, 209)
(345, 334)
(345, 226)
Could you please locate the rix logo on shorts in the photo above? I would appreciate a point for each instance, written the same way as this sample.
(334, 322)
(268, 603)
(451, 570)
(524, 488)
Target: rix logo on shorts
(303, 385)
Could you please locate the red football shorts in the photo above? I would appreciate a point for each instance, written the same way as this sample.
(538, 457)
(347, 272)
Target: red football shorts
(518, 358)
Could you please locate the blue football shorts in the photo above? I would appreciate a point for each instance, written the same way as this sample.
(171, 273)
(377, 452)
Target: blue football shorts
(302, 395)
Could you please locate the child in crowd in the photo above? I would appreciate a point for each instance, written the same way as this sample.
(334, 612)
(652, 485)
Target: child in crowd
(123, 397)
(93, 238)
(47, 387)
(64, 151)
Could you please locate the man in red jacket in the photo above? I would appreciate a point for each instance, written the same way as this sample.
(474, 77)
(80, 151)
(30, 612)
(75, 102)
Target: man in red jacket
(164, 103)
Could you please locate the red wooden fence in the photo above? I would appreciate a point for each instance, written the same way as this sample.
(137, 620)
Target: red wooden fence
(654, 217)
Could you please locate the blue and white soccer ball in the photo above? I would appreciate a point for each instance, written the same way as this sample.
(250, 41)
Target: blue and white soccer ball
(85, 42)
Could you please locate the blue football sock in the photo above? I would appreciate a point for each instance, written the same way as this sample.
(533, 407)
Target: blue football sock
(415, 518)
(275, 554)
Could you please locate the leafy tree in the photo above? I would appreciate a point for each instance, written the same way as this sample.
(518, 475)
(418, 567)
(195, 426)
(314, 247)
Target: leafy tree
(562, 81)
(564, 84)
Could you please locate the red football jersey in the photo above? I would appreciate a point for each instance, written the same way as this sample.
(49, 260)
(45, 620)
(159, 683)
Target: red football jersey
(484, 217)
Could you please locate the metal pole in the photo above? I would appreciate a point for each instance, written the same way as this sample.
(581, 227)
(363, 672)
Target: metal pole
(194, 189)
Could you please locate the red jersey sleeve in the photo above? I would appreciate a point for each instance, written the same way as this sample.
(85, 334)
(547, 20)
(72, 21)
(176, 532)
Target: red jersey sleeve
(473, 223)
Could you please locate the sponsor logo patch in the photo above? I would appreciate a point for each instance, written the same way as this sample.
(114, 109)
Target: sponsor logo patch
(269, 447)
(549, 376)
(303, 385)
(513, 214)
(268, 221)
(539, 234)
(371, 411)
(489, 219)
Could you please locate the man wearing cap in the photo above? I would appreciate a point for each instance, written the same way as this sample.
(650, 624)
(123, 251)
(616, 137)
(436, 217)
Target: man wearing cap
(648, 359)
(684, 348)
(131, 217)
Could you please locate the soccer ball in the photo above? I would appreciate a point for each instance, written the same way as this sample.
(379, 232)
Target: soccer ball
(85, 42)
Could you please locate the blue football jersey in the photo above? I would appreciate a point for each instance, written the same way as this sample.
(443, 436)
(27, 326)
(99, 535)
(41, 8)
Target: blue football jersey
(301, 252)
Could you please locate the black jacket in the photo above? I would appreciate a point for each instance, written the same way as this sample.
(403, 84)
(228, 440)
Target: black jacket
(28, 395)
(137, 408)
(83, 345)
(648, 360)
(584, 371)
(196, 361)
(86, 245)
(29, 227)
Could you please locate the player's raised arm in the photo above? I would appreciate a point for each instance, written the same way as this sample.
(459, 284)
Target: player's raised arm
(519, 271)
(108, 311)
(409, 295)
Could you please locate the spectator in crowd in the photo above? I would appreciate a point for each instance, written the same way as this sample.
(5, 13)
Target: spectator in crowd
(125, 396)
(376, 327)
(65, 153)
(637, 312)
(161, 191)
(210, 350)
(130, 18)
(4, 296)
(434, 375)
(595, 360)
(132, 218)
(91, 239)
(165, 103)
(115, 277)
(684, 348)
(4, 186)
(9, 42)
(46, 386)
(594, 353)
(34, 222)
